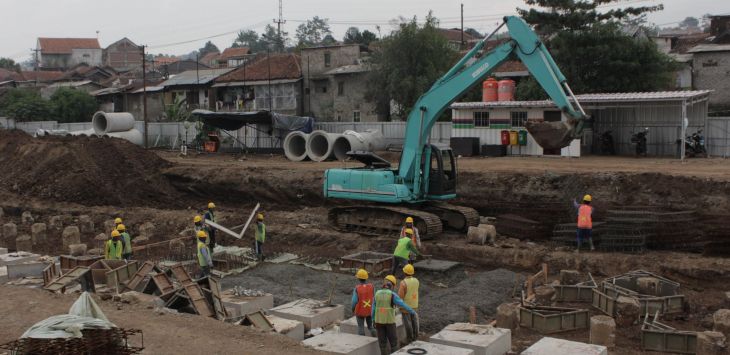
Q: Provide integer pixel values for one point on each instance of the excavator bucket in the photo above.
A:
(552, 135)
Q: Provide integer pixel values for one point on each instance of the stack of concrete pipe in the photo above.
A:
(117, 125)
(321, 145)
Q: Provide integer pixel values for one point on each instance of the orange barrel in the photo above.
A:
(489, 90)
(505, 137)
(506, 90)
(513, 139)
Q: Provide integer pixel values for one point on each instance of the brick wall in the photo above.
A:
(712, 72)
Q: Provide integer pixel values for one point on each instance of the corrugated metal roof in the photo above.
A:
(347, 69)
(595, 98)
(194, 77)
(710, 48)
(149, 89)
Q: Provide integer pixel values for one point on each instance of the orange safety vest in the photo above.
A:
(585, 221)
(364, 306)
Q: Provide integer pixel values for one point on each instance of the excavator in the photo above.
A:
(427, 175)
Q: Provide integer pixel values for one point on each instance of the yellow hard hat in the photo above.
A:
(115, 233)
(587, 198)
(391, 279)
(197, 219)
(211, 205)
(260, 217)
(409, 220)
(117, 220)
(202, 234)
(408, 269)
(121, 227)
(362, 274)
(409, 231)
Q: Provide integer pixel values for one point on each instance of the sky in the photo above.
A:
(181, 26)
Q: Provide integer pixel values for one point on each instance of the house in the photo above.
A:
(179, 66)
(210, 60)
(455, 37)
(334, 84)
(130, 98)
(194, 85)
(270, 82)
(83, 71)
(122, 55)
(711, 63)
(64, 53)
(233, 57)
(42, 76)
(85, 85)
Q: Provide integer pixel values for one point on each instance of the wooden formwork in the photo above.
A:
(656, 336)
(373, 262)
(136, 279)
(548, 320)
(115, 277)
(581, 292)
(669, 300)
(80, 274)
(69, 262)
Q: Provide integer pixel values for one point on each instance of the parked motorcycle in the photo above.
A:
(606, 143)
(639, 138)
(694, 145)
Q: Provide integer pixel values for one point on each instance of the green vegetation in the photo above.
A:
(65, 105)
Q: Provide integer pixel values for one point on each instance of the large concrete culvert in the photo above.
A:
(320, 144)
(295, 146)
(111, 122)
(370, 140)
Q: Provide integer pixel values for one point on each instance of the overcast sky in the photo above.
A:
(163, 24)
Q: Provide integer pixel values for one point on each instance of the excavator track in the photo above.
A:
(455, 217)
(383, 220)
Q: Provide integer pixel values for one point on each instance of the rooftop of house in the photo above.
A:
(195, 77)
(281, 65)
(42, 76)
(65, 45)
(232, 53)
(9, 75)
(454, 35)
(210, 57)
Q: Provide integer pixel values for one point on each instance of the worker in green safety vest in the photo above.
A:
(260, 236)
(126, 242)
(403, 250)
(113, 247)
(384, 311)
(205, 261)
(408, 291)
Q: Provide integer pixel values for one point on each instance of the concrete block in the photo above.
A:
(26, 217)
(711, 343)
(310, 312)
(435, 265)
(433, 349)
(109, 226)
(147, 229)
(24, 243)
(647, 285)
(29, 268)
(77, 249)
(490, 341)
(628, 311)
(17, 258)
(67, 219)
(39, 233)
(55, 222)
(3, 251)
(544, 295)
(552, 346)
(569, 277)
(3, 274)
(238, 306)
(2, 212)
(603, 331)
(291, 328)
(10, 231)
(721, 321)
(349, 326)
(71, 235)
(343, 343)
(508, 316)
(86, 225)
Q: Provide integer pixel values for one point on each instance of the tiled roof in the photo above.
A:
(454, 35)
(685, 43)
(6, 75)
(347, 69)
(233, 52)
(710, 48)
(65, 45)
(165, 60)
(209, 58)
(283, 66)
(194, 77)
(43, 76)
(594, 98)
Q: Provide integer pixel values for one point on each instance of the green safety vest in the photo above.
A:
(202, 261)
(127, 243)
(402, 250)
(113, 250)
(384, 310)
(411, 296)
(261, 232)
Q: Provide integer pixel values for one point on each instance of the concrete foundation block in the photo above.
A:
(86, 225)
(569, 277)
(2, 212)
(544, 295)
(721, 321)
(492, 341)
(508, 316)
(77, 249)
(26, 217)
(3, 274)
(238, 306)
(24, 243)
(55, 222)
(553, 346)
(349, 326)
(30, 268)
(343, 343)
(10, 231)
(291, 328)
(95, 251)
(310, 312)
(3, 251)
(67, 219)
(603, 331)
(17, 258)
(647, 285)
(433, 349)
(435, 265)
(147, 229)
(711, 343)
(109, 225)
(38, 232)
(70, 235)
(628, 311)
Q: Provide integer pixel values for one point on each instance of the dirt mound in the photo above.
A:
(89, 171)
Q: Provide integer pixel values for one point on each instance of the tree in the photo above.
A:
(209, 47)
(406, 64)
(9, 64)
(354, 36)
(273, 40)
(250, 39)
(71, 105)
(473, 32)
(312, 32)
(689, 22)
(25, 105)
(553, 16)
(329, 40)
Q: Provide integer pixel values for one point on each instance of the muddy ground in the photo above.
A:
(71, 177)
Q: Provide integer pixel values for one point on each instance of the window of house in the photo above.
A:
(481, 119)
(518, 118)
(306, 91)
(322, 89)
(340, 88)
(355, 116)
(327, 59)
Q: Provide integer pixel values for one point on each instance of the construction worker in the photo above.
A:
(117, 222)
(260, 236)
(113, 248)
(362, 303)
(416, 239)
(205, 260)
(408, 292)
(199, 226)
(126, 241)
(209, 215)
(585, 221)
(384, 308)
(403, 250)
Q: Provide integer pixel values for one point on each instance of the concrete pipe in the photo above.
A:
(295, 146)
(132, 135)
(111, 122)
(370, 140)
(319, 145)
(85, 133)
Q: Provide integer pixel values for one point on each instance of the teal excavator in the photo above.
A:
(426, 176)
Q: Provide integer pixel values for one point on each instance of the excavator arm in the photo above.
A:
(471, 70)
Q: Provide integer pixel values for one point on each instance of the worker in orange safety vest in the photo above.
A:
(585, 222)
(362, 303)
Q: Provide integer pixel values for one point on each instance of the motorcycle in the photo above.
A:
(606, 141)
(639, 138)
(694, 145)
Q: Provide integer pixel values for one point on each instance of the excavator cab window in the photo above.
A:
(442, 174)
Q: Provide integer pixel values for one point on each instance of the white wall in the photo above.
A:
(91, 57)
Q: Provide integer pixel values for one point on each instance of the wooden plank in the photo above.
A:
(50, 273)
(258, 320)
(181, 274)
(250, 218)
(82, 274)
(163, 283)
(116, 276)
(215, 289)
(197, 299)
(141, 273)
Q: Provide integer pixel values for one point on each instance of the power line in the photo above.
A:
(207, 37)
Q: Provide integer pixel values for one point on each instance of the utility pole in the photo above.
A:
(268, 61)
(144, 96)
(462, 26)
(279, 21)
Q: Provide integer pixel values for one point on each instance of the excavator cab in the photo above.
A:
(440, 167)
